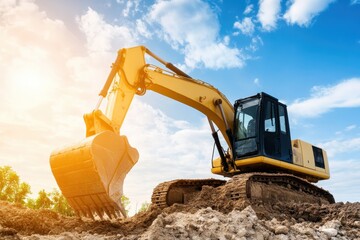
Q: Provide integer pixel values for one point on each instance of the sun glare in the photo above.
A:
(32, 85)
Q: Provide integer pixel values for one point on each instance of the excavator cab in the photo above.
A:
(261, 128)
(262, 142)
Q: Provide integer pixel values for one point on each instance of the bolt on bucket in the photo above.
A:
(91, 173)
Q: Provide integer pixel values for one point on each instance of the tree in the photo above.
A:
(53, 200)
(60, 203)
(11, 189)
(43, 200)
(144, 206)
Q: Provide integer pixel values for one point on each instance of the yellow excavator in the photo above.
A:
(256, 130)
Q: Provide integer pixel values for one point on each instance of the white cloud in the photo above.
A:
(269, 13)
(246, 26)
(348, 129)
(193, 28)
(353, 2)
(212, 55)
(132, 6)
(249, 8)
(142, 29)
(102, 36)
(351, 127)
(126, 10)
(337, 146)
(257, 82)
(302, 12)
(255, 43)
(226, 40)
(323, 99)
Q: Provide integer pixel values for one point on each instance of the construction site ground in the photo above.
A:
(208, 215)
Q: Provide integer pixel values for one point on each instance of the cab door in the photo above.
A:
(285, 139)
(271, 128)
(276, 134)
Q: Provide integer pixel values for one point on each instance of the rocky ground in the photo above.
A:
(207, 217)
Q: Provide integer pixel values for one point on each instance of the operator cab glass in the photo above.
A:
(261, 128)
(245, 142)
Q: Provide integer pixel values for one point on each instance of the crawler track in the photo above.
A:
(168, 193)
(276, 187)
(265, 187)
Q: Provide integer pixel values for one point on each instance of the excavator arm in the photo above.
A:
(91, 173)
(131, 75)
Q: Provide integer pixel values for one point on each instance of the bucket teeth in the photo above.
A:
(97, 207)
(122, 210)
(90, 215)
(118, 214)
(100, 213)
(108, 213)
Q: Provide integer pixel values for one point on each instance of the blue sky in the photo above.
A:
(55, 55)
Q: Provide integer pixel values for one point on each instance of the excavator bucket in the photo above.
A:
(91, 173)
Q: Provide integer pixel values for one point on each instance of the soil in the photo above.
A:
(208, 214)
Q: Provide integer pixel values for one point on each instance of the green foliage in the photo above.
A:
(60, 204)
(53, 200)
(126, 203)
(43, 200)
(11, 189)
(144, 206)
(30, 203)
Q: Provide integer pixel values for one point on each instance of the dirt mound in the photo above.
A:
(210, 224)
(28, 221)
(16, 219)
(209, 214)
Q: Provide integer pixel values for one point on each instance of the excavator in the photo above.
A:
(255, 129)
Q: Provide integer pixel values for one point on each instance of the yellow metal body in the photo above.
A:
(91, 173)
(303, 166)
